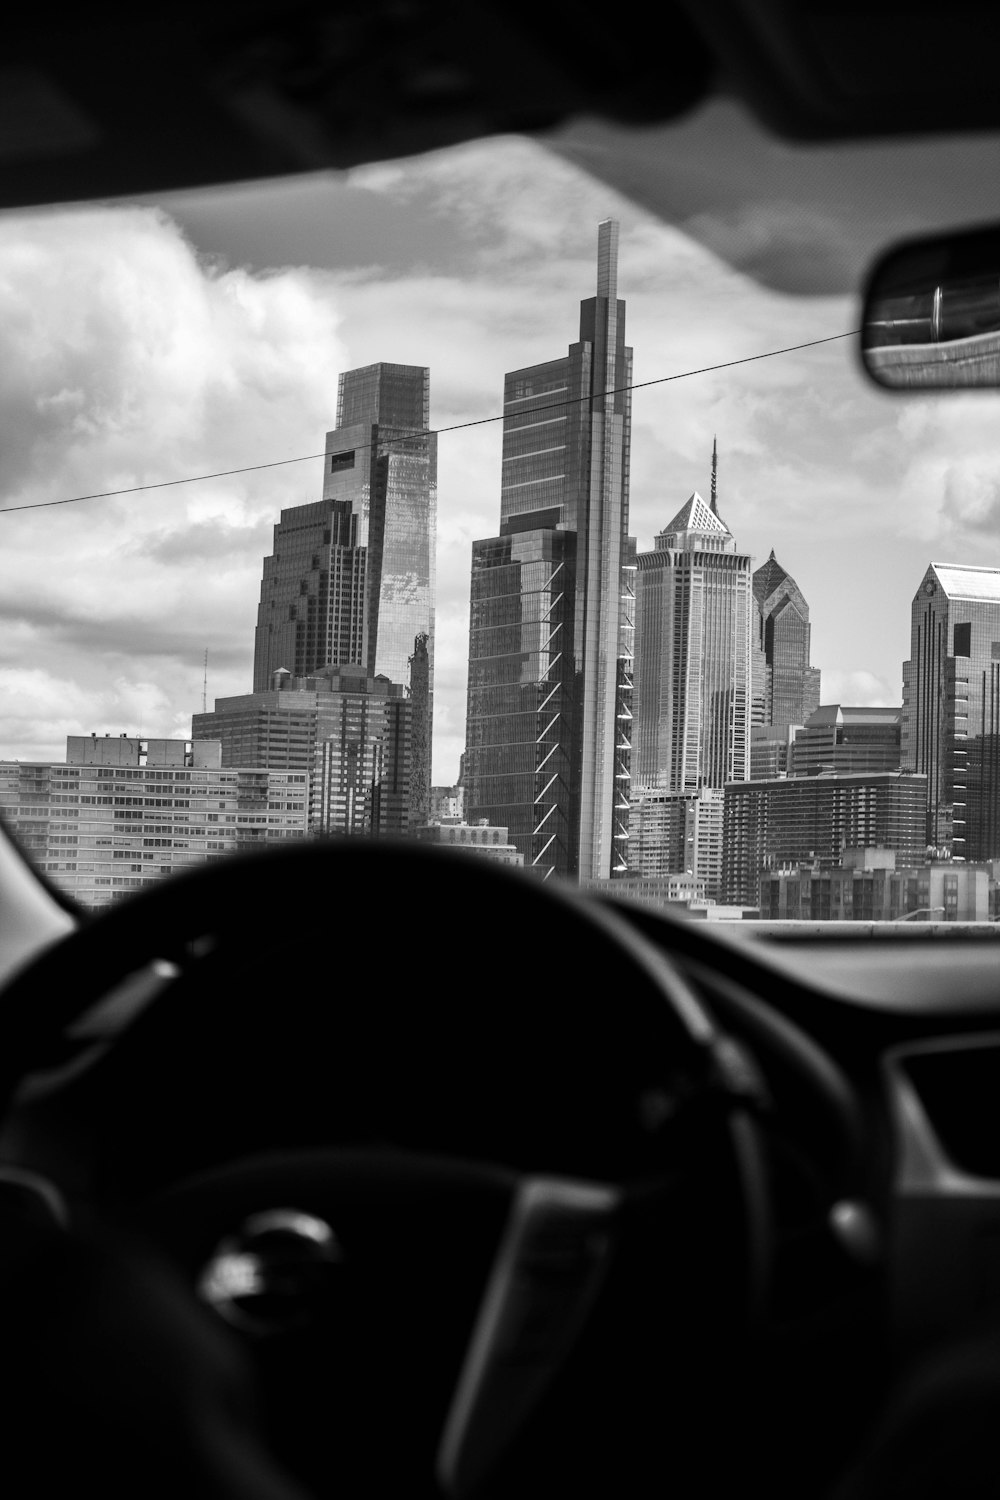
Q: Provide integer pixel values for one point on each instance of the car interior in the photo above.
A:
(587, 1198)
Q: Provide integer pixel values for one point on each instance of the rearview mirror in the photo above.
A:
(932, 314)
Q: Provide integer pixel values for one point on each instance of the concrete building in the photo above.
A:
(868, 886)
(447, 804)
(550, 639)
(124, 813)
(771, 750)
(479, 838)
(681, 892)
(677, 834)
(951, 707)
(776, 824)
(847, 741)
(349, 731)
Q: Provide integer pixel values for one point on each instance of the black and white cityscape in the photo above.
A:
(643, 713)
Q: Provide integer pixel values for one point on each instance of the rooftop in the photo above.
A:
(696, 515)
(836, 713)
(962, 581)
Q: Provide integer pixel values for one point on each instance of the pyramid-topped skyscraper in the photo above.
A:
(693, 651)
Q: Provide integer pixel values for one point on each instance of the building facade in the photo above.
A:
(951, 707)
(848, 741)
(771, 750)
(693, 679)
(791, 688)
(795, 820)
(550, 638)
(478, 838)
(447, 804)
(875, 890)
(677, 833)
(124, 813)
(681, 891)
(349, 731)
(351, 578)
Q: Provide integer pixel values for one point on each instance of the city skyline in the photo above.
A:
(134, 355)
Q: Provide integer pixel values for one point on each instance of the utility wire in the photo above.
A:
(278, 463)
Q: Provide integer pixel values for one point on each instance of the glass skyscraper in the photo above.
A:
(792, 686)
(547, 732)
(350, 581)
(951, 707)
(693, 656)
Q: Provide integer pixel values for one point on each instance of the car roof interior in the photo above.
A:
(111, 102)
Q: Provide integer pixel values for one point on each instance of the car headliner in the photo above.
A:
(888, 116)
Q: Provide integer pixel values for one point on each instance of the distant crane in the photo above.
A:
(204, 686)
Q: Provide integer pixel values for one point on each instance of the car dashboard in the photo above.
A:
(868, 1071)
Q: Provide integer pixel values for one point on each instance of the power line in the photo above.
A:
(278, 463)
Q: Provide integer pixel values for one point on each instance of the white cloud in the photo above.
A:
(125, 358)
(860, 689)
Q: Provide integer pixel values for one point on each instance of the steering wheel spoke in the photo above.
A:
(547, 1274)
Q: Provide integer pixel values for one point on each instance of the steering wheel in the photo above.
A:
(453, 1153)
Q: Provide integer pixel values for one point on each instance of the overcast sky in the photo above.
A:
(147, 342)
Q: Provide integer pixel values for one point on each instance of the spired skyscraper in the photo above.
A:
(547, 731)
(350, 581)
(951, 707)
(693, 656)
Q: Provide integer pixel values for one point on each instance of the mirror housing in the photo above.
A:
(932, 314)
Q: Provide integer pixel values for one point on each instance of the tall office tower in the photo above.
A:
(951, 707)
(547, 731)
(847, 741)
(693, 656)
(350, 581)
(349, 731)
(791, 686)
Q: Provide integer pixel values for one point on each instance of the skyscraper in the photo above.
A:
(693, 672)
(350, 581)
(547, 733)
(791, 685)
(951, 707)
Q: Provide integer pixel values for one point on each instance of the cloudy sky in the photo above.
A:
(146, 342)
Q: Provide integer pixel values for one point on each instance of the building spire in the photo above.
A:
(714, 495)
(607, 259)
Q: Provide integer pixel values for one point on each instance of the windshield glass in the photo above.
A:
(172, 371)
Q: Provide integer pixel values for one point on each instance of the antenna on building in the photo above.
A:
(715, 477)
(204, 686)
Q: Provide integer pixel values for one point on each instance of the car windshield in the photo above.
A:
(265, 447)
